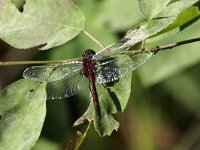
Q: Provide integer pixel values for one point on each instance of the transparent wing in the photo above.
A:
(67, 86)
(112, 49)
(53, 72)
(112, 67)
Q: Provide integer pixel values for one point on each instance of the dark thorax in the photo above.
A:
(88, 64)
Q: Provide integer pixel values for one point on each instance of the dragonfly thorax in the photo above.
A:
(89, 64)
(88, 52)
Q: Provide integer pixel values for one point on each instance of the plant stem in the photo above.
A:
(35, 62)
(155, 50)
(94, 39)
(169, 46)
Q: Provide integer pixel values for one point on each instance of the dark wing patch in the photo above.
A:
(117, 66)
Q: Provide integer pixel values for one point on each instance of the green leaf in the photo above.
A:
(112, 99)
(118, 18)
(22, 111)
(42, 22)
(81, 137)
(161, 36)
(107, 123)
(44, 143)
(145, 30)
(19, 3)
(183, 18)
(152, 27)
(166, 64)
(151, 8)
(175, 8)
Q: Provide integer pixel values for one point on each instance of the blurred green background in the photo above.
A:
(164, 106)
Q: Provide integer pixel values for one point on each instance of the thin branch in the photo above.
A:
(35, 62)
(94, 39)
(170, 46)
(155, 50)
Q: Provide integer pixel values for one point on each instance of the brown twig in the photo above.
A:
(155, 50)
(170, 46)
(35, 62)
(94, 39)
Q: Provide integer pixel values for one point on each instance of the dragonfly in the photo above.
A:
(68, 78)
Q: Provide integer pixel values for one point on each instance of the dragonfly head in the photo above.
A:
(88, 52)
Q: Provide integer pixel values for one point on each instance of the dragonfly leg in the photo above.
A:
(142, 46)
(104, 85)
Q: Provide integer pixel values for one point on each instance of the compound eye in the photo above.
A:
(93, 52)
(83, 55)
(88, 52)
